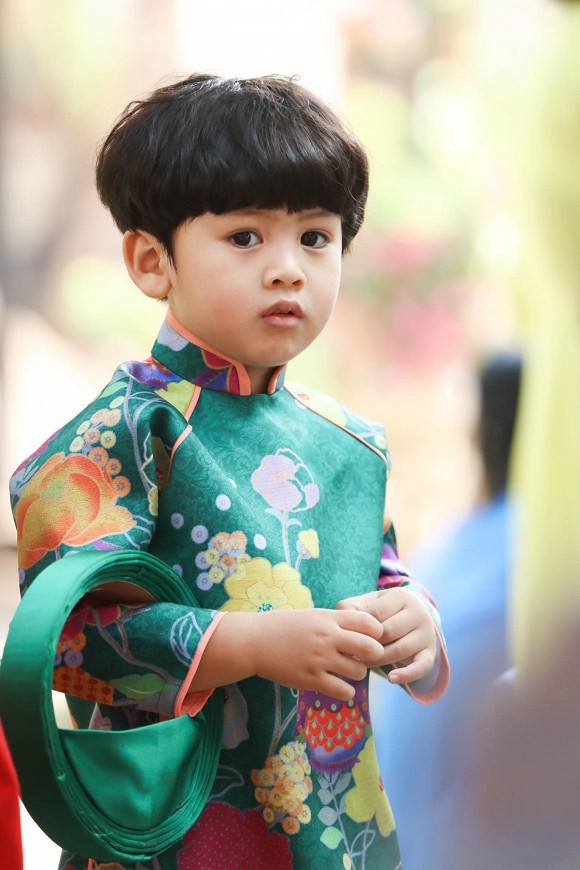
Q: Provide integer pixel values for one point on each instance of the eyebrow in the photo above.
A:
(256, 212)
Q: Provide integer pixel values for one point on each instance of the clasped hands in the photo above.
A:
(323, 650)
(407, 632)
(329, 650)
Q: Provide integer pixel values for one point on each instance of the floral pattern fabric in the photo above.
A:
(260, 502)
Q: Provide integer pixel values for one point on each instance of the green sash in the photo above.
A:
(113, 796)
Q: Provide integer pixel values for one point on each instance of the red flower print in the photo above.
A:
(225, 837)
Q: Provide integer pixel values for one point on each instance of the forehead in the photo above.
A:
(277, 214)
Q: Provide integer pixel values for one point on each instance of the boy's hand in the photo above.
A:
(408, 631)
(313, 649)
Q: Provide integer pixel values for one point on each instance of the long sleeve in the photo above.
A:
(393, 574)
(94, 485)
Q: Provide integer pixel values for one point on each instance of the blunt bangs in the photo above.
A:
(207, 144)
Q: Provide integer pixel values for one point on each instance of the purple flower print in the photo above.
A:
(73, 658)
(153, 374)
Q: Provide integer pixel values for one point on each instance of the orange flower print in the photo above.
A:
(70, 500)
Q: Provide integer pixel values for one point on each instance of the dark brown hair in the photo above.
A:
(207, 144)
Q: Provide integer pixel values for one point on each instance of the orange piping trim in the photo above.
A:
(272, 382)
(442, 678)
(192, 403)
(344, 429)
(177, 444)
(197, 699)
(243, 377)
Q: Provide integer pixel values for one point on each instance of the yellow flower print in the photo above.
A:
(283, 799)
(178, 393)
(287, 753)
(83, 427)
(111, 418)
(221, 540)
(92, 435)
(269, 815)
(77, 444)
(368, 798)
(153, 498)
(108, 439)
(323, 405)
(308, 546)
(257, 585)
(98, 416)
(116, 402)
(238, 540)
(212, 556)
(291, 825)
(113, 466)
(121, 486)
(216, 575)
(78, 642)
(227, 563)
(99, 456)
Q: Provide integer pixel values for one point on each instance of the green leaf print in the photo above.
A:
(331, 837)
(112, 388)
(138, 687)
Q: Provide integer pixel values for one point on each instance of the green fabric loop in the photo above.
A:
(78, 784)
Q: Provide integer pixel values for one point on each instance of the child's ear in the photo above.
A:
(147, 263)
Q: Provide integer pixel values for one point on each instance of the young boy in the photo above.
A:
(237, 199)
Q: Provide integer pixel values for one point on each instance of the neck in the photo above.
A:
(187, 356)
(259, 378)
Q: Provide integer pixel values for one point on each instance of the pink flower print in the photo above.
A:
(224, 836)
(287, 485)
(285, 482)
(273, 480)
(311, 494)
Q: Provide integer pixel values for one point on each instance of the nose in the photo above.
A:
(284, 270)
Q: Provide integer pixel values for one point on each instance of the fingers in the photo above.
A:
(335, 687)
(417, 668)
(351, 669)
(362, 647)
(381, 604)
(405, 648)
(361, 622)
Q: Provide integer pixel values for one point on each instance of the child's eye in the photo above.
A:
(245, 239)
(314, 239)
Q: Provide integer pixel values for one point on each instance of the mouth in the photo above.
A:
(290, 308)
(283, 313)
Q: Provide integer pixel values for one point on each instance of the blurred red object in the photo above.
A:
(11, 856)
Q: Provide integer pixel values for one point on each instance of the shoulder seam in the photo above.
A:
(308, 407)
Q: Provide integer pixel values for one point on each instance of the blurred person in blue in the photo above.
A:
(421, 752)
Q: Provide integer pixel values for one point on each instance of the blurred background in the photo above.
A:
(433, 88)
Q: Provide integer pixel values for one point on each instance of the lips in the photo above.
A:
(284, 308)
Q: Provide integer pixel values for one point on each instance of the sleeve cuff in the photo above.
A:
(429, 688)
(192, 702)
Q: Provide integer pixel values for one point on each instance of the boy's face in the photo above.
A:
(257, 285)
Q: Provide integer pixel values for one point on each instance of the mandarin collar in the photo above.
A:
(193, 360)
